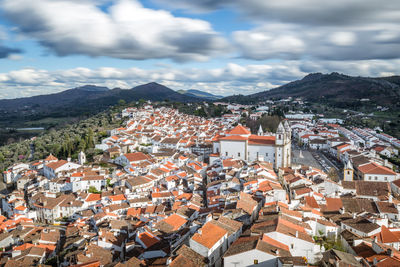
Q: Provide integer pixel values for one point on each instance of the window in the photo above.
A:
(238, 154)
(255, 261)
(291, 246)
(266, 154)
(257, 154)
(348, 172)
(376, 178)
(226, 153)
(385, 178)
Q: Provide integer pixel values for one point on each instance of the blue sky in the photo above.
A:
(222, 47)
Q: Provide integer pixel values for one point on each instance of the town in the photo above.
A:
(173, 189)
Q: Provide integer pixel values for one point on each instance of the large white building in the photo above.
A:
(239, 143)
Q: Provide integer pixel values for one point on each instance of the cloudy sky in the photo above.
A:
(219, 46)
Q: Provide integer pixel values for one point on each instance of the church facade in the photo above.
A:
(239, 143)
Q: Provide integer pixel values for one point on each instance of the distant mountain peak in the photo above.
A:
(93, 88)
(335, 89)
(199, 94)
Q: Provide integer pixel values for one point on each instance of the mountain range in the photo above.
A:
(334, 88)
(89, 99)
(200, 94)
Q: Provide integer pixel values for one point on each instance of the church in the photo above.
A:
(239, 143)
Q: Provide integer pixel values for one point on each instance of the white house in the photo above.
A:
(374, 172)
(211, 242)
(53, 169)
(253, 251)
(239, 143)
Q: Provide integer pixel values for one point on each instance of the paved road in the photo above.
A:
(306, 158)
(323, 161)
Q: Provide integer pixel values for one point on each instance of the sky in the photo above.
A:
(222, 47)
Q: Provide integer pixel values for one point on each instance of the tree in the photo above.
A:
(333, 175)
(93, 190)
(121, 102)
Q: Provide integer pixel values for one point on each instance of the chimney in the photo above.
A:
(375, 239)
(354, 215)
(297, 234)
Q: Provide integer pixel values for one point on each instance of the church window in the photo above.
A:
(348, 172)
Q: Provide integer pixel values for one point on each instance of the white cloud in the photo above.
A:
(311, 12)
(343, 38)
(269, 41)
(310, 29)
(292, 41)
(128, 30)
(230, 79)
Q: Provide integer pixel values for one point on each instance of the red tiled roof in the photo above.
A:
(386, 236)
(148, 239)
(275, 243)
(117, 197)
(137, 156)
(311, 202)
(373, 168)
(234, 138)
(261, 140)
(175, 221)
(240, 130)
(333, 204)
(210, 234)
(57, 164)
(51, 158)
(93, 197)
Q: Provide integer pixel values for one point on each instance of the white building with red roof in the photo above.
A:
(375, 172)
(239, 143)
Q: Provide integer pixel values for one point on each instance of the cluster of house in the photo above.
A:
(188, 191)
(363, 152)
